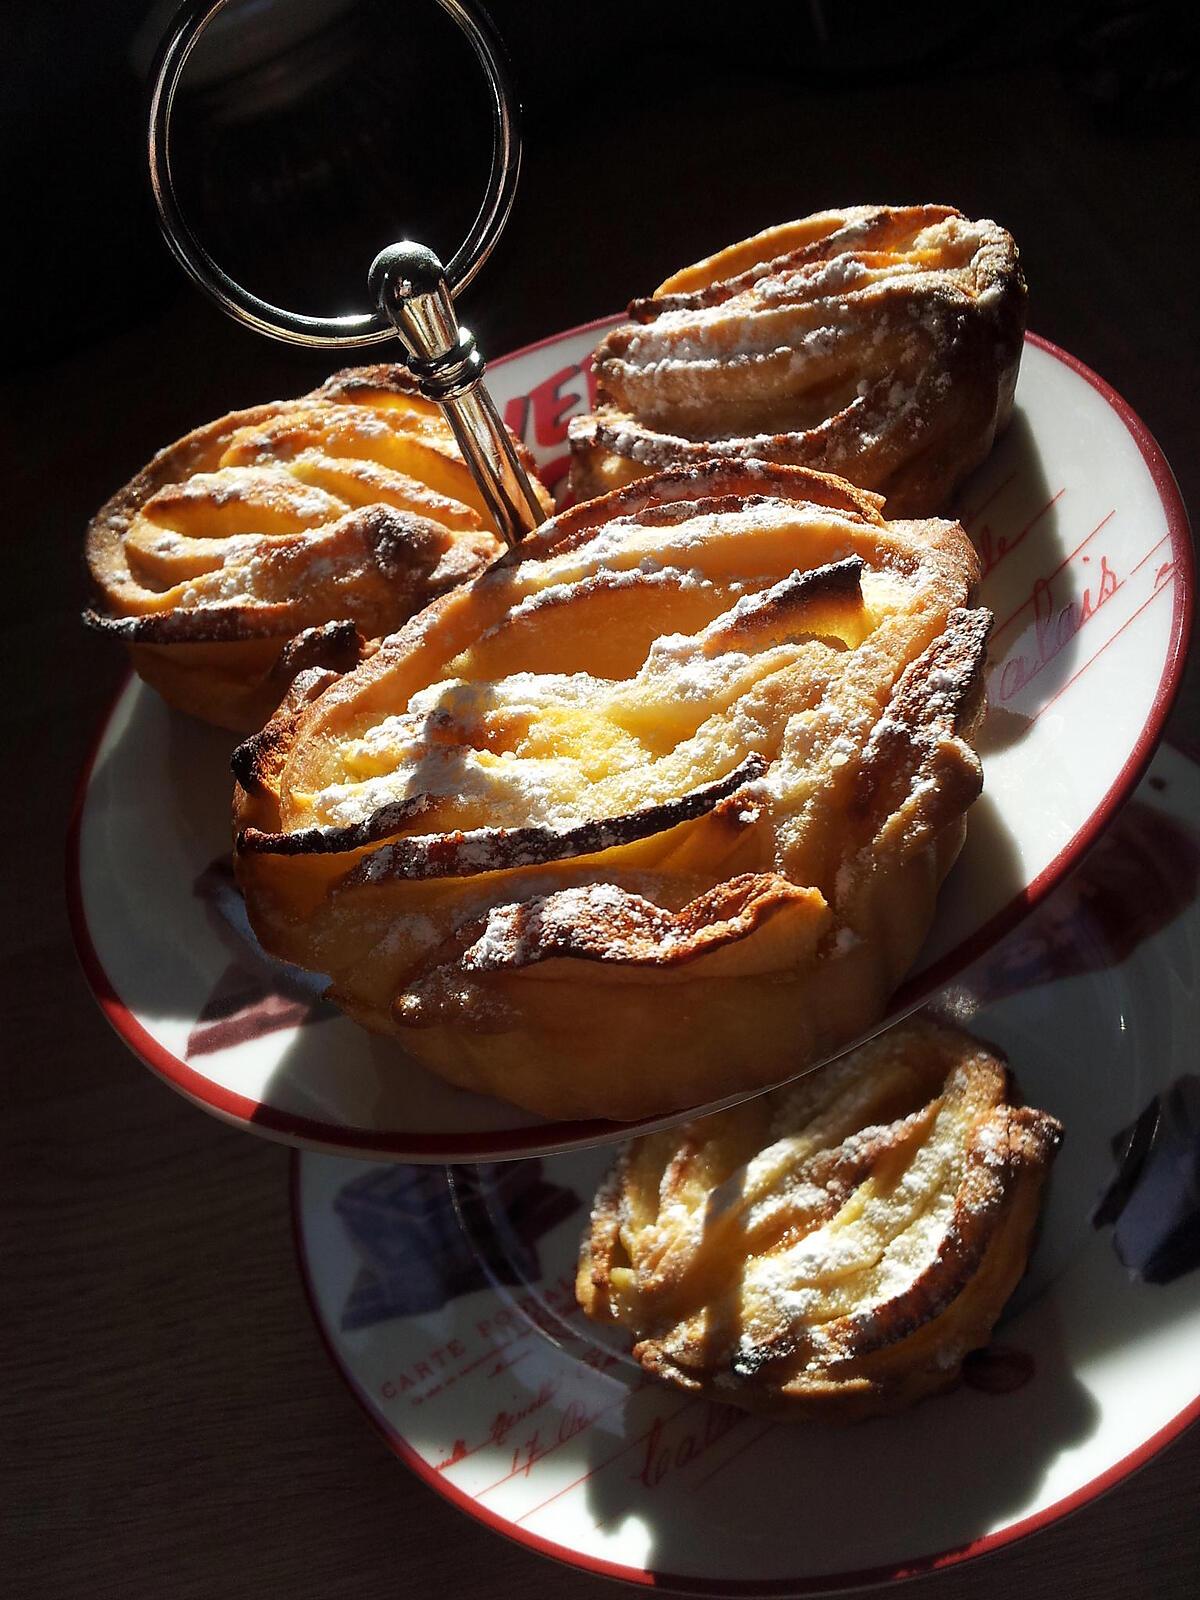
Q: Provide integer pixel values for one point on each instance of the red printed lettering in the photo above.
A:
(553, 400)
(1054, 627)
(516, 415)
(660, 1458)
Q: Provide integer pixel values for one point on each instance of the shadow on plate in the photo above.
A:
(892, 1489)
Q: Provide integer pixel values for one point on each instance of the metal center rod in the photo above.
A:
(408, 284)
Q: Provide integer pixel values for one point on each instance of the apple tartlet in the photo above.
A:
(285, 537)
(834, 1249)
(652, 812)
(879, 342)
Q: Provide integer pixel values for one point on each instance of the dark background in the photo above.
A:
(171, 1425)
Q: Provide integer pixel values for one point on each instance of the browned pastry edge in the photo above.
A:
(459, 854)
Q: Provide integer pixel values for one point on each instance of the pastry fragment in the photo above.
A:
(878, 342)
(834, 1249)
(652, 812)
(283, 538)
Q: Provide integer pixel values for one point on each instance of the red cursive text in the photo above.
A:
(1054, 627)
(660, 1458)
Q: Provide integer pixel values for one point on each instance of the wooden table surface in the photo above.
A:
(170, 1424)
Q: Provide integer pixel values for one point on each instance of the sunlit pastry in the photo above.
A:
(285, 537)
(653, 811)
(834, 1249)
(878, 342)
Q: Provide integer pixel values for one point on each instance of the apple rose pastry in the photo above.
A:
(284, 537)
(653, 811)
(834, 1249)
(878, 342)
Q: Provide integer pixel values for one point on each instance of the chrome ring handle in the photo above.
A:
(411, 291)
(359, 327)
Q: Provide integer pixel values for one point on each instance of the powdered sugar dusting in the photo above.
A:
(302, 510)
(838, 354)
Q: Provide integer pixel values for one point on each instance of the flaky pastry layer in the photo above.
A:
(878, 342)
(834, 1249)
(652, 811)
(285, 537)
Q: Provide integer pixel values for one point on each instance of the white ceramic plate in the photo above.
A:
(1089, 575)
(446, 1299)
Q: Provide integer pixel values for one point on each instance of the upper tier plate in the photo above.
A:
(1088, 569)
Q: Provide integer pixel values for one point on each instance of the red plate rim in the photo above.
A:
(292, 1128)
(829, 1583)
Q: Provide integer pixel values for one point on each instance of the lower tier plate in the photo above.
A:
(445, 1296)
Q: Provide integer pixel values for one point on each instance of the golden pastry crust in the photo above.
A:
(878, 342)
(653, 811)
(834, 1249)
(285, 537)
